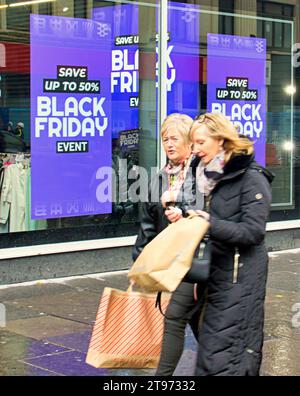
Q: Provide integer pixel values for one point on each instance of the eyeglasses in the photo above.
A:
(200, 118)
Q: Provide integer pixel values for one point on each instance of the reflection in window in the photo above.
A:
(17, 18)
(226, 24)
(278, 34)
(45, 9)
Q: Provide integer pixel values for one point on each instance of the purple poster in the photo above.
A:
(236, 79)
(182, 57)
(124, 63)
(70, 117)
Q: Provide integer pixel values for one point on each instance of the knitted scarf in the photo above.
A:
(208, 175)
(176, 174)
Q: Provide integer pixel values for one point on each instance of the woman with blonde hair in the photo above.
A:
(172, 187)
(238, 196)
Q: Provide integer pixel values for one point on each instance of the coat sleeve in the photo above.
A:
(254, 206)
(147, 230)
(148, 226)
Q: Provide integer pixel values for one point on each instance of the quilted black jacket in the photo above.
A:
(231, 333)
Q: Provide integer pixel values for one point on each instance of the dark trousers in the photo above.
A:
(182, 309)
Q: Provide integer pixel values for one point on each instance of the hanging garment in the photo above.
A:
(12, 200)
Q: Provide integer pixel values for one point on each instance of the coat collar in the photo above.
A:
(238, 163)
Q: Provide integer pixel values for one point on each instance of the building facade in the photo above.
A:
(84, 87)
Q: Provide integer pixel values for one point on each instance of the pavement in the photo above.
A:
(49, 323)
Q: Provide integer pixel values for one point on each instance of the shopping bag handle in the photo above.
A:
(158, 302)
(191, 214)
(130, 287)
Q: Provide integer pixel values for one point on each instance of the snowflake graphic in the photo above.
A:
(259, 46)
(188, 17)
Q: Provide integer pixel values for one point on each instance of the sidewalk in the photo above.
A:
(49, 323)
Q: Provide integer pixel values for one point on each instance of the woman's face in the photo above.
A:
(175, 146)
(204, 146)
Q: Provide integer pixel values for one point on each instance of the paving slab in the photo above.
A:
(73, 363)
(14, 348)
(280, 265)
(116, 281)
(273, 295)
(66, 363)
(46, 326)
(37, 290)
(281, 357)
(187, 363)
(76, 341)
(34, 371)
(95, 285)
(79, 306)
(14, 311)
(281, 328)
(280, 304)
(14, 368)
(284, 280)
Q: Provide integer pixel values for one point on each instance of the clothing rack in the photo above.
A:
(16, 158)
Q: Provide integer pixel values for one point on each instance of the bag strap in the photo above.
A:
(158, 303)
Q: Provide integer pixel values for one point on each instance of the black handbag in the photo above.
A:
(200, 268)
(199, 271)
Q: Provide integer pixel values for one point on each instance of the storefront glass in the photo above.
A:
(80, 105)
(78, 118)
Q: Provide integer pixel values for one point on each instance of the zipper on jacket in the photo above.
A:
(207, 203)
(235, 265)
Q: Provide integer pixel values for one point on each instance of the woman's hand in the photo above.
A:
(203, 214)
(173, 214)
(167, 197)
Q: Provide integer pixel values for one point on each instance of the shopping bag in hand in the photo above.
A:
(128, 330)
(165, 261)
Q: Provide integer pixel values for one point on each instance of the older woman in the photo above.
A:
(238, 197)
(169, 188)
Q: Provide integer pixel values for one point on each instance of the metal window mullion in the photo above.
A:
(162, 74)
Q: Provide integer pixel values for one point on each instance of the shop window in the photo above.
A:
(118, 132)
(45, 9)
(86, 79)
(80, 9)
(17, 18)
(128, 82)
(277, 34)
(226, 23)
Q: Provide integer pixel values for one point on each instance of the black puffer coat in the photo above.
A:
(231, 334)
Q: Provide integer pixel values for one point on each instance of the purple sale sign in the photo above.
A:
(236, 79)
(70, 117)
(182, 57)
(123, 22)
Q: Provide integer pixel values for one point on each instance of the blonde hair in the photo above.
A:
(180, 122)
(220, 127)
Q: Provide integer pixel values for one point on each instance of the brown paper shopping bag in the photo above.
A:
(128, 330)
(164, 262)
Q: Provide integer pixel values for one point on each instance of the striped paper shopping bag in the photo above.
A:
(128, 330)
